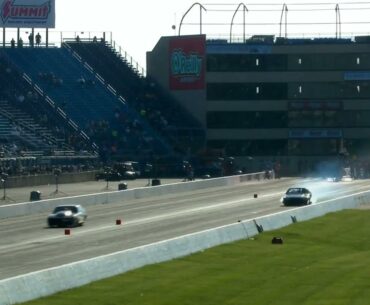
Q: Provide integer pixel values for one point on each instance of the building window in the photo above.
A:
(300, 89)
(257, 90)
(358, 60)
(358, 87)
(299, 61)
(257, 62)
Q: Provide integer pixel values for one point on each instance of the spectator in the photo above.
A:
(20, 43)
(12, 43)
(30, 39)
(90, 82)
(21, 98)
(38, 39)
(277, 170)
(78, 38)
(95, 40)
(81, 81)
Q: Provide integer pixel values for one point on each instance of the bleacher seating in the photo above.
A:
(34, 126)
(5, 127)
(162, 112)
(116, 128)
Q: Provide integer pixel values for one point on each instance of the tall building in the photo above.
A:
(299, 101)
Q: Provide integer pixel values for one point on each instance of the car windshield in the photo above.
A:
(293, 191)
(65, 208)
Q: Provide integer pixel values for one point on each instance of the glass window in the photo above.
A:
(317, 118)
(247, 119)
(313, 147)
(246, 62)
(329, 62)
(250, 147)
(246, 91)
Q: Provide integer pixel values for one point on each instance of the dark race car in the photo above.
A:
(67, 216)
(297, 196)
(110, 176)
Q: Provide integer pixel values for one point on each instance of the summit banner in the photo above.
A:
(27, 13)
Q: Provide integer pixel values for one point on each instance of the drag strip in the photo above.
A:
(27, 245)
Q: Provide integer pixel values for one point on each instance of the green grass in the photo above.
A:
(325, 261)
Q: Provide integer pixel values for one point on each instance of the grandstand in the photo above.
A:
(27, 121)
(84, 97)
(263, 97)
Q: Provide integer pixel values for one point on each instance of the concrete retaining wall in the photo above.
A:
(21, 181)
(281, 219)
(46, 282)
(43, 283)
(28, 208)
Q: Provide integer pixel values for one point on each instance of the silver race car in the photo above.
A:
(67, 216)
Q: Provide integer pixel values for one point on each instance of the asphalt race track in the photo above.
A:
(27, 245)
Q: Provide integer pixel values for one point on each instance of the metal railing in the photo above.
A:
(56, 39)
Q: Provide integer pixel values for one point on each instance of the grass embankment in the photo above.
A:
(325, 261)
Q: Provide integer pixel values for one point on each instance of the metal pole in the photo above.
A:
(232, 20)
(47, 37)
(286, 21)
(4, 188)
(18, 34)
(244, 8)
(338, 29)
(200, 19)
(281, 19)
(201, 7)
(3, 37)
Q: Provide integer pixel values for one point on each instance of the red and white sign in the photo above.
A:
(187, 62)
(27, 13)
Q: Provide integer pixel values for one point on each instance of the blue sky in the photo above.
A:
(137, 25)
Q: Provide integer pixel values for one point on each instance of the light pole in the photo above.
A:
(338, 30)
(108, 172)
(57, 173)
(4, 177)
(284, 10)
(201, 7)
(245, 9)
(148, 170)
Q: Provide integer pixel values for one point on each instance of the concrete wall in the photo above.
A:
(20, 181)
(45, 282)
(28, 208)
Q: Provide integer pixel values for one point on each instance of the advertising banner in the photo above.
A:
(187, 63)
(27, 13)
